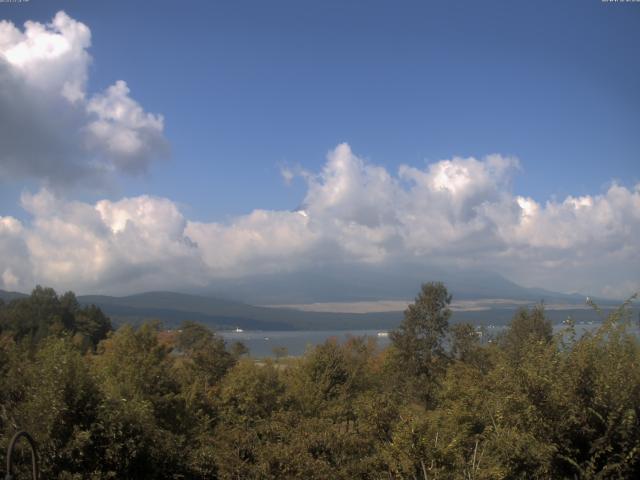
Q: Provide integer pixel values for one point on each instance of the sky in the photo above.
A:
(149, 145)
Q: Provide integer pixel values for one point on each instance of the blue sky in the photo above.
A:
(168, 125)
(248, 86)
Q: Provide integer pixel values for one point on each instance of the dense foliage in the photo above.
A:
(440, 403)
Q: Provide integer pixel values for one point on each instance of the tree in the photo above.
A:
(238, 349)
(418, 344)
(249, 396)
(92, 324)
(464, 341)
(526, 327)
(54, 398)
(206, 352)
(143, 415)
(44, 313)
(36, 316)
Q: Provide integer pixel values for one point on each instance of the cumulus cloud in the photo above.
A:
(121, 245)
(15, 267)
(121, 131)
(51, 128)
(459, 212)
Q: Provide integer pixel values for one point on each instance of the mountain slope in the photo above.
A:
(231, 303)
(172, 308)
(348, 283)
(8, 296)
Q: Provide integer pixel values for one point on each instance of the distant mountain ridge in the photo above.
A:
(8, 296)
(348, 283)
(173, 308)
(229, 304)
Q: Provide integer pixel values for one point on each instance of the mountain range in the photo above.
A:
(361, 282)
(222, 309)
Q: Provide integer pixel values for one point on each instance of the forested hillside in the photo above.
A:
(439, 403)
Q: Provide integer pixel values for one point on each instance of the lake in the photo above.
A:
(262, 343)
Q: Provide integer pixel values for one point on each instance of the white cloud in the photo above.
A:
(52, 129)
(349, 190)
(50, 57)
(15, 258)
(123, 131)
(110, 245)
(458, 212)
(262, 241)
(287, 174)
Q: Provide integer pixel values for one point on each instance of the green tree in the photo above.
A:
(92, 324)
(206, 353)
(527, 326)
(249, 397)
(419, 354)
(54, 397)
(143, 418)
(44, 313)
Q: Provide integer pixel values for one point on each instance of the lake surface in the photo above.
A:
(262, 343)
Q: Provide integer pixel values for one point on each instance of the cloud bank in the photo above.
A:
(459, 212)
(51, 129)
